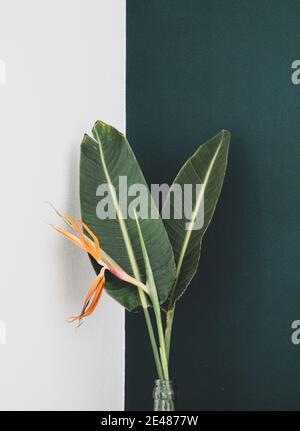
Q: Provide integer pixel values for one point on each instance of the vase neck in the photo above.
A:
(163, 395)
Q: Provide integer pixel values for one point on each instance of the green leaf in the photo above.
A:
(104, 158)
(207, 166)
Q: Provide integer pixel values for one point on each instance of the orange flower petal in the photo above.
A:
(78, 237)
(68, 235)
(77, 229)
(93, 288)
(92, 298)
(96, 247)
(92, 305)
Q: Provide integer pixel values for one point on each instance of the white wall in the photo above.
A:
(65, 68)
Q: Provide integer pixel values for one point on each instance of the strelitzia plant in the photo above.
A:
(151, 260)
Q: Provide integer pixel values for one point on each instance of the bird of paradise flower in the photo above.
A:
(83, 237)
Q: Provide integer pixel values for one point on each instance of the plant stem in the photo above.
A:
(150, 284)
(162, 343)
(168, 333)
(151, 334)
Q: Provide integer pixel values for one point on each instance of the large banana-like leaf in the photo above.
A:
(105, 157)
(206, 166)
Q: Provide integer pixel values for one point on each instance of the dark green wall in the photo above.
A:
(193, 68)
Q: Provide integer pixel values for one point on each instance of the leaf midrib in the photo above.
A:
(195, 211)
(124, 231)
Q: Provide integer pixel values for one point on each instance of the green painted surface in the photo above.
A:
(194, 68)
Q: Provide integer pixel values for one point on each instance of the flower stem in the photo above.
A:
(151, 334)
(168, 332)
(152, 292)
(162, 343)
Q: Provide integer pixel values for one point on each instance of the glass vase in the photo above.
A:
(163, 396)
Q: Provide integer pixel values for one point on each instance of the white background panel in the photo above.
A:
(65, 68)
